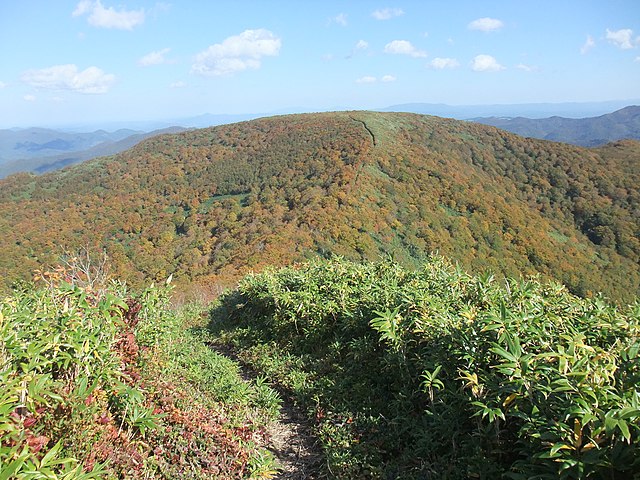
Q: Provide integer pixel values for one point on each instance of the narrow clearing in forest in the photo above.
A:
(291, 440)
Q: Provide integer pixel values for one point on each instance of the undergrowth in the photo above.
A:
(101, 382)
(438, 374)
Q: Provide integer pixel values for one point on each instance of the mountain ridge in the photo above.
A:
(509, 117)
(209, 205)
(587, 132)
(41, 142)
(44, 164)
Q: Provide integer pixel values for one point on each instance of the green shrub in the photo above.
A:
(438, 374)
(56, 357)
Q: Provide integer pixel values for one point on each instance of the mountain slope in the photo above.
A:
(214, 203)
(588, 132)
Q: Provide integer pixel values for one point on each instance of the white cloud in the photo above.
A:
(340, 19)
(485, 63)
(527, 68)
(360, 46)
(404, 47)
(30, 98)
(442, 63)
(83, 7)
(588, 45)
(178, 84)
(99, 16)
(486, 24)
(387, 13)
(67, 77)
(154, 58)
(388, 78)
(637, 59)
(621, 38)
(327, 57)
(237, 53)
(2, 84)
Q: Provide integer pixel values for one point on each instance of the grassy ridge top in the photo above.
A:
(214, 203)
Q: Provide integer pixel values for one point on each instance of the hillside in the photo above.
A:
(588, 132)
(212, 204)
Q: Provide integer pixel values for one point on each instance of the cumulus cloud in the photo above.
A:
(404, 47)
(154, 58)
(178, 84)
(387, 13)
(486, 24)
(442, 63)
(67, 77)
(366, 79)
(621, 38)
(340, 19)
(237, 53)
(637, 59)
(30, 98)
(102, 17)
(2, 84)
(485, 63)
(388, 78)
(588, 45)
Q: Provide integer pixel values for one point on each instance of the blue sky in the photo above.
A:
(72, 62)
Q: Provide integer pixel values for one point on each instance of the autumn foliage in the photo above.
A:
(211, 204)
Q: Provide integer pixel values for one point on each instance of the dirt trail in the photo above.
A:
(291, 440)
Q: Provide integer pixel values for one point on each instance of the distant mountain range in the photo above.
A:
(34, 146)
(587, 132)
(529, 110)
(16, 144)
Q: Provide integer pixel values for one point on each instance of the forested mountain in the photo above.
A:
(211, 204)
(588, 132)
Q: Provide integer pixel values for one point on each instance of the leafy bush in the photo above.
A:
(59, 369)
(438, 374)
(99, 383)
